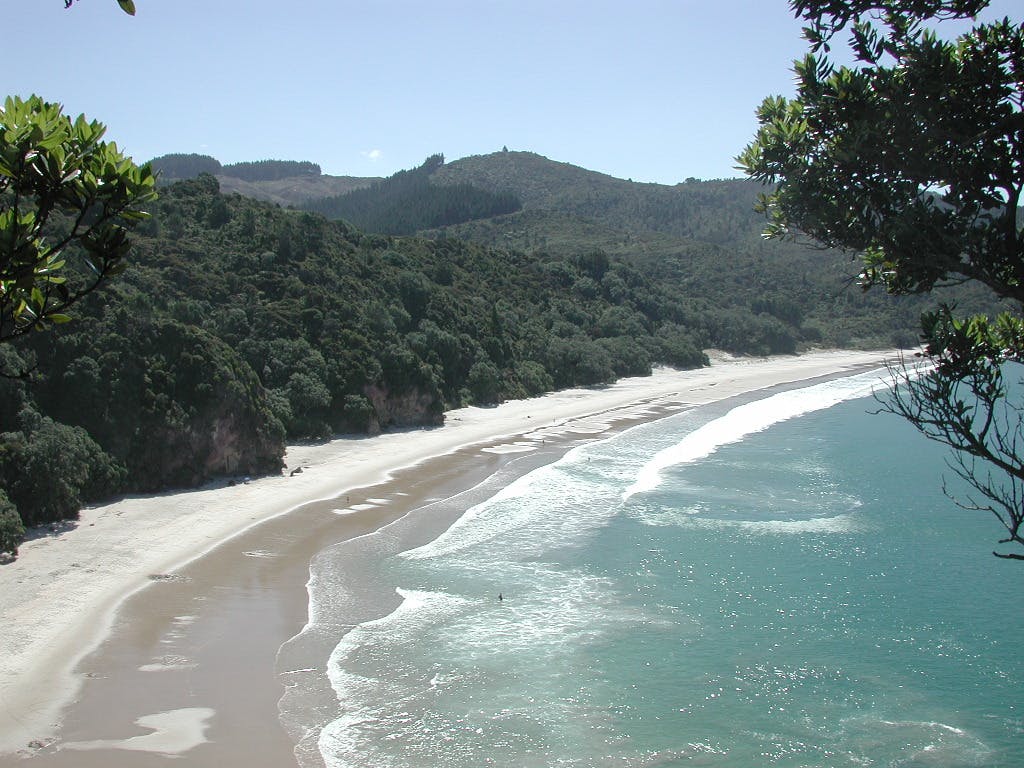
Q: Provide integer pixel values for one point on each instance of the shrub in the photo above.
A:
(12, 532)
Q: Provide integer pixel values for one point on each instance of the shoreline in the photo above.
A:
(198, 655)
(59, 599)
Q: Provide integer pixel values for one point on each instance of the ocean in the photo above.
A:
(772, 581)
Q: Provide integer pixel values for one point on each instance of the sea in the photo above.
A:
(775, 580)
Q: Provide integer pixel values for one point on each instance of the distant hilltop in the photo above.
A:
(285, 182)
(535, 179)
(175, 167)
(515, 199)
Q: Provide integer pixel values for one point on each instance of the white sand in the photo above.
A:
(58, 599)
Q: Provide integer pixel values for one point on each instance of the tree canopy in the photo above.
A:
(408, 201)
(914, 159)
(67, 203)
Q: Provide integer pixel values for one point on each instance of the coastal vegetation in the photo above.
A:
(241, 325)
(912, 159)
(68, 201)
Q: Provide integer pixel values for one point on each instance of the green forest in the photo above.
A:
(174, 167)
(409, 201)
(240, 325)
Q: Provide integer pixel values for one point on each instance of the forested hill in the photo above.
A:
(176, 167)
(410, 201)
(718, 211)
(239, 325)
(284, 182)
(699, 238)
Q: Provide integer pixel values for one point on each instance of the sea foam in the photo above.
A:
(552, 504)
(749, 418)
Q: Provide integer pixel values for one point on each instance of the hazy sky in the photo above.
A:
(653, 90)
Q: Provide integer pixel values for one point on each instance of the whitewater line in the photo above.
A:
(749, 418)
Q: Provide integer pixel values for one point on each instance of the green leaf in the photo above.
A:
(59, 319)
(127, 6)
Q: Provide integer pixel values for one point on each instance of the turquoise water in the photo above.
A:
(780, 583)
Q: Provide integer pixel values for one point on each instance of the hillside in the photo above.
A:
(710, 211)
(699, 239)
(538, 181)
(286, 183)
(293, 191)
(696, 239)
(410, 201)
(240, 325)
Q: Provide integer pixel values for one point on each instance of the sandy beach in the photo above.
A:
(64, 595)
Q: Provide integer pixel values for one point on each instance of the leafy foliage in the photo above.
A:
(11, 529)
(826, 18)
(938, 198)
(174, 406)
(912, 159)
(699, 240)
(285, 182)
(242, 324)
(60, 186)
(128, 6)
(965, 402)
(49, 469)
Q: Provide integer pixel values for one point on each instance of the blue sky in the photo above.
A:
(653, 90)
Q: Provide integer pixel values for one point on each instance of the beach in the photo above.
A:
(241, 553)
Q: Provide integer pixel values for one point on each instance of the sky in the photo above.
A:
(648, 90)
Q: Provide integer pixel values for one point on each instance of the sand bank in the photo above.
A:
(59, 598)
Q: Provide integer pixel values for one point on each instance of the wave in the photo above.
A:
(566, 501)
(748, 419)
(556, 504)
(446, 679)
(918, 743)
(692, 518)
